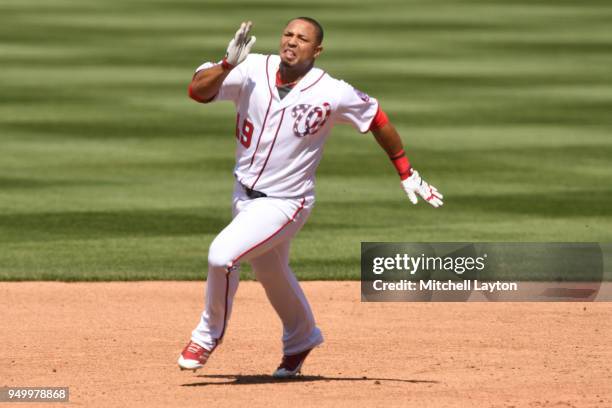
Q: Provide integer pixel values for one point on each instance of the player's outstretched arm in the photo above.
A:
(206, 83)
(412, 183)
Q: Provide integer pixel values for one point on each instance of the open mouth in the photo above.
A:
(289, 54)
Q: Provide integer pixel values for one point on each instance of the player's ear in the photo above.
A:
(318, 51)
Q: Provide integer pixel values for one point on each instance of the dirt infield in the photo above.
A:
(116, 344)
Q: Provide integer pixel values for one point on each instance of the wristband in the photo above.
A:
(226, 65)
(401, 164)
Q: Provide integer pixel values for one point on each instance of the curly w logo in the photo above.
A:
(309, 119)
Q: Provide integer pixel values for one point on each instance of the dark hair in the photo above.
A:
(315, 23)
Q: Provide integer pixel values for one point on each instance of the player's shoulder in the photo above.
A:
(255, 59)
(343, 89)
(257, 62)
(338, 84)
(347, 93)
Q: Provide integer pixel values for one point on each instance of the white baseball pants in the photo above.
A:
(260, 233)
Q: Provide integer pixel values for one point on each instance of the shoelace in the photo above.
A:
(200, 352)
(194, 348)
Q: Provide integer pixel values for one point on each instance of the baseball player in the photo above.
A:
(285, 110)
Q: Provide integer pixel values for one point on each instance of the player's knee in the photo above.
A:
(218, 258)
(218, 261)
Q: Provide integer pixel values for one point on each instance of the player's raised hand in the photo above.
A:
(414, 185)
(240, 46)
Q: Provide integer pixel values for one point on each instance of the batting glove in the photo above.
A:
(240, 46)
(414, 185)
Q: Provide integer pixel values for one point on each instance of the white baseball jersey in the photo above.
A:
(280, 141)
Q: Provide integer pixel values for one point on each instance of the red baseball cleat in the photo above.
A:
(193, 357)
(291, 365)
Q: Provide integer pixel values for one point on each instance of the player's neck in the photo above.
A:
(293, 74)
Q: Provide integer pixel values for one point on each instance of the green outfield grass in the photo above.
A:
(109, 171)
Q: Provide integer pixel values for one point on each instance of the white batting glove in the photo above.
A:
(414, 185)
(240, 46)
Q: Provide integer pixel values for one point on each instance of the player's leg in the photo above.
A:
(221, 286)
(286, 296)
(258, 226)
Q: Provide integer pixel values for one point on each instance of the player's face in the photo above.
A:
(298, 46)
